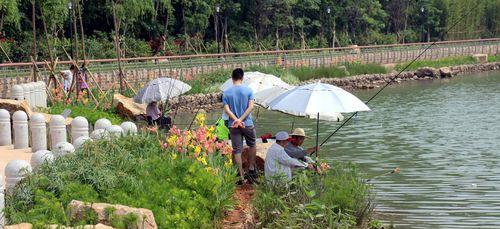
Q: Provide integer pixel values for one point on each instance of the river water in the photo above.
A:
(445, 137)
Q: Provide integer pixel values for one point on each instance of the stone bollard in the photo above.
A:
(115, 130)
(63, 148)
(5, 134)
(15, 171)
(20, 126)
(129, 128)
(80, 141)
(79, 128)
(17, 93)
(99, 134)
(37, 94)
(41, 156)
(38, 130)
(2, 202)
(102, 124)
(43, 91)
(57, 130)
(32, 94)
(26, 93)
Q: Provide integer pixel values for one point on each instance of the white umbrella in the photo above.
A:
(161, 89)
(257, 81)
(311, 99)
(317, 99)
(264, 97)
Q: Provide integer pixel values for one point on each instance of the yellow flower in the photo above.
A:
(172, 140)
(228, 163)
(200, 119)
(174, 156)
(202, 160)
(211, 129)
(197, 150)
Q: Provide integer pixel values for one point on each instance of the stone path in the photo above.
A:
(8, 153)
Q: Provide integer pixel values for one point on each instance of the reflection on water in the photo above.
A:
(445, 136)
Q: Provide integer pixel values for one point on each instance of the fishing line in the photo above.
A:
(402, 70)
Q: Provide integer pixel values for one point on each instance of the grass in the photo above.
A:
(494, 58)
(445, 62)
(338, 198)
(91, 114)
(135, 171)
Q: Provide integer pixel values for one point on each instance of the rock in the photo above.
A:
(15, 105)
(445, 72)
(20, 226)
(127, 108)
(78, 210)
(481, 58)
(427, 71)
(261, 155)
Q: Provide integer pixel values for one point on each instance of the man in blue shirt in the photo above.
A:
(238, 103)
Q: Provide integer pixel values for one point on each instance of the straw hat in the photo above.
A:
(299, 132)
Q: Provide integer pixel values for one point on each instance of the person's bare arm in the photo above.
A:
(229, 112)
(248, 111)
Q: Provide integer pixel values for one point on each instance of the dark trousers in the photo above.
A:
(162, 122)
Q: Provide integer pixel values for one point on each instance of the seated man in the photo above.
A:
(278, 163)
(155, 116)
(294, 149)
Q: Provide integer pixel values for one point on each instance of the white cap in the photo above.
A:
(281, 136)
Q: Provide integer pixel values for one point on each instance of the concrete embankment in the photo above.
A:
(191, 103)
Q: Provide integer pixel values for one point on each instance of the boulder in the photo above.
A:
(445, 72)
(481, 58)
(103, 211)
(127, 108)
(261, 155)
(15, 105)
(20, 226)
(427, 72)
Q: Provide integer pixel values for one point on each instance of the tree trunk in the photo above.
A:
(33, 11)
(117, 46)
(81, 31)
(277, 38)
(76, 34)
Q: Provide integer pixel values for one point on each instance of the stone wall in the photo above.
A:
(190, 103)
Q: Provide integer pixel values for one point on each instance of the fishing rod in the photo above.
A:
(401, 71)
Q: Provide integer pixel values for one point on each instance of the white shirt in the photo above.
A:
(68, 79)
(278, 163)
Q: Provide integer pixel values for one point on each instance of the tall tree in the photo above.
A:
(9, 12)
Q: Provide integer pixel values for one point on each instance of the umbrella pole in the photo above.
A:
(293, 122)
(317, 134)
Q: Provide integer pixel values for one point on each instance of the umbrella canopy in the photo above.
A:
(161, 89)
(257, 81)
(264, 97)
(315, 98)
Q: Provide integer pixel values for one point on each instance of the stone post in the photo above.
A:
(63, 148)
(129, 128)
(57, 130)
(99, 134)
(2, 202)
(38, 130)
(115, 130)
(17, 93)
(102, 124)
(37, 94)
(20, 126)
(41, 156)
(5, 134)
(15, 171)
(43, 97)
(79, 128)
(32, 95)
(80, 141)
(26, 93)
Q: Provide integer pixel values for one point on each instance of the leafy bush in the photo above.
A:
(91, 114)
(138, 171)
(337, 198)
(360, 69)
(494, 58)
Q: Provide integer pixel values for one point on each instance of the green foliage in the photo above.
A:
(338, 198)
(9, 12)
(91, 114)
(134, 171)
(450, 61)
(494, 58)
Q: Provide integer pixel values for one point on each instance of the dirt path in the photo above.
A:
(241, 216)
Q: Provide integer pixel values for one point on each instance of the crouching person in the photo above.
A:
(277, 163)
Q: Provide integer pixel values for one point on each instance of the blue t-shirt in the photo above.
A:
(237, 98)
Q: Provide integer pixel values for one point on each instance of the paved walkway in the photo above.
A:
(8, 153)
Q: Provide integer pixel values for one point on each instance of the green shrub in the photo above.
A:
(494, 58)
(134, 171)
(338, 198)
(91, 114)
(360, 69)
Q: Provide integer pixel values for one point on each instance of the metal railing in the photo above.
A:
(191, 65)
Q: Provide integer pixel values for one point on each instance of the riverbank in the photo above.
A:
(212, 101)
